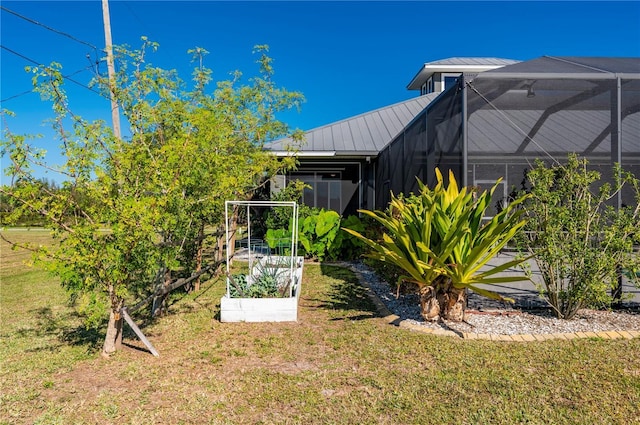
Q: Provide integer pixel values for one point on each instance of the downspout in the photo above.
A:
(616, 134)
(616, 156)
(465, 144)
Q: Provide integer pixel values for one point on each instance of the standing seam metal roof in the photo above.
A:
(364, 134)
(567, 67)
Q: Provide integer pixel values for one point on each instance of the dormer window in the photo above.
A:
(449, 80)
(437, 76)
(427, 87)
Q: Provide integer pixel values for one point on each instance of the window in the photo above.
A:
(427, 87)
(325, 191)
(499, 199)
(449, 80)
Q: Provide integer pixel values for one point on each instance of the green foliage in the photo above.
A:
(130, 211)
(266, 281)
(279, 217)
(441, 232)
(263, 287)
(317, 232)
(279, 240)
(345, 246)
(579, 240)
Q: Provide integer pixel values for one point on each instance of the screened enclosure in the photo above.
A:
(548, 107)
(495, 124)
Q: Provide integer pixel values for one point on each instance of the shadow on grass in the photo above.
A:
(60, 330)
(346, 294)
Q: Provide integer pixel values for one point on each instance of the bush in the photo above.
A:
(317, 232)
(580, 242)
(345, 246)
(442, 242)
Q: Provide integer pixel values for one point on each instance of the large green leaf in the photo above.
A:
(440, 231)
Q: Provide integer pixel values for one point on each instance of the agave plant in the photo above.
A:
(440, 240)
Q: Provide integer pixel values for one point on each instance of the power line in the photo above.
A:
(67, 77)
(48, 27)
(31, 91)
(16, 96)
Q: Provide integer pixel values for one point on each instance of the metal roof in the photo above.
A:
(363, 135)
(568, 67)
(457, 64)
(470, 61)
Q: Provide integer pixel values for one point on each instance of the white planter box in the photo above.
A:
(265, 309)
(258, 309)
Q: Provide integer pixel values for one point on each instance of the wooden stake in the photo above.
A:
(138, 332)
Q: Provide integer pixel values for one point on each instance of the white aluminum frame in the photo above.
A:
(294, 234)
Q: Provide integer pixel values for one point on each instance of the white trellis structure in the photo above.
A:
(285, 269)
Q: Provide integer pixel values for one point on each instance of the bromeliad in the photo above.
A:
(440, 240)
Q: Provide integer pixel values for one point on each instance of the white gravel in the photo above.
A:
(529, 315)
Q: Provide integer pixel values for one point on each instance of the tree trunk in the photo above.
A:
(442, 301)
(220, 242)
(233, 231)
(452, 302)
(196, 285)
(113, 338)
(429, 307)
(159, 303)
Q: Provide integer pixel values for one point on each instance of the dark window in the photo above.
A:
(450, 82)
(325, 189)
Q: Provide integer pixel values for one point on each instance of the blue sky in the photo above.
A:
(345, 57)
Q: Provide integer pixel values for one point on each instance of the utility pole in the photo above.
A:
(115, 111)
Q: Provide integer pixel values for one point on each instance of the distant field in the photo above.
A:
(339, 364)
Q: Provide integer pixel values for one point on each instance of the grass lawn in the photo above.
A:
(339, 364)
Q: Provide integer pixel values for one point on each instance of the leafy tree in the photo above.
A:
(580, 242)
(439, 239)
(140, 205)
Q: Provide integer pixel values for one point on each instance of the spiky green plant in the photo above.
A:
(440, 239)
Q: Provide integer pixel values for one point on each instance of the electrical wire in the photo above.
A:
(16, 96)
(48, 28)
(67, 77)
(141, 24)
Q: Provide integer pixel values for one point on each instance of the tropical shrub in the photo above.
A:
(279, 240)
(317, 232)
(580, 242)
(345, 246)
(439, 238)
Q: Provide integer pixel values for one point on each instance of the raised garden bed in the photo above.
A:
(269, 290)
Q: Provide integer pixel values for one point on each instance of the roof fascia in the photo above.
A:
(304, 154)
(332, 154)
(558, 76)
(428, 69)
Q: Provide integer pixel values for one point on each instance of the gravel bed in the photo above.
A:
(529, 314)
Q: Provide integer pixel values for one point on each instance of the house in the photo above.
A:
(483, 118)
